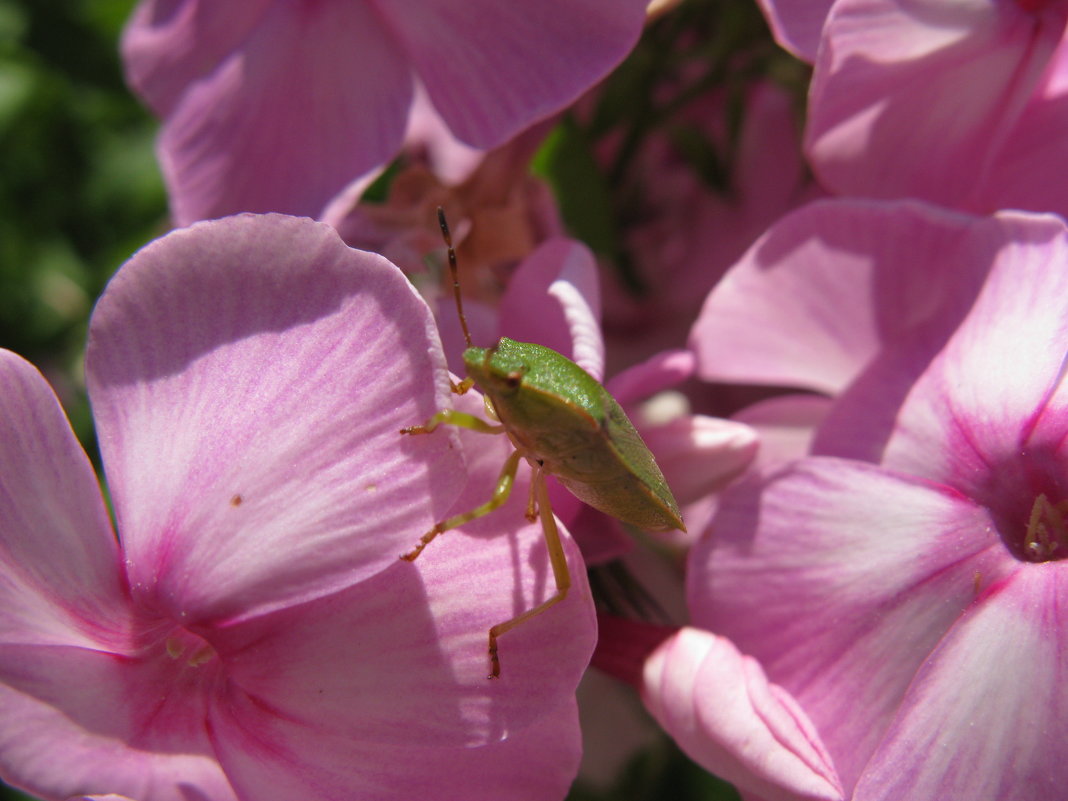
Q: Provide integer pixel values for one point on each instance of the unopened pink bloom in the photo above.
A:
(251, 633)
(907, 584)
(958, 103)
(273, 105)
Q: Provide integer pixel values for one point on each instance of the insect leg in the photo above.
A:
(531, 513)
(504, 488)
(558, 561)
(451, 417)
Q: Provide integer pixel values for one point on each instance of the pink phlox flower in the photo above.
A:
(898, 584)
(251, 632)
(272, 105)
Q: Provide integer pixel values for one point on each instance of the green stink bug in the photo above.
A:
(565, 424)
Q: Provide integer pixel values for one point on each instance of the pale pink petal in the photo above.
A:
(838, 278)
(914, 99)
(415, 667)
(492, 68)
(797, 24)
(270, 759)
(814, 548)
(554, 300)
(721, 709)
(289, 116)
(249, 379)
(76, 722)
(61, 580)
(985, 716)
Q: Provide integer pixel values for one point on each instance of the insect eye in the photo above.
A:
(514, 379)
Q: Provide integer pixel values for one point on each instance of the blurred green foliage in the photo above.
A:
(79, 188)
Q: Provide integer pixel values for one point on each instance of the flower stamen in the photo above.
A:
(1047, 530)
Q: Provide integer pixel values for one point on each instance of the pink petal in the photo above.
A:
(249, 379)
(270, 759)
(785, 425)
(914, 99)
(722, 710)
(554, 299)
(281, 124)
(76, 722)
(497, 67)
(985, 715)
(841, 578)
(61, 579)
(797, 24)
(1026, 172)
(169, 44)
(839, 278)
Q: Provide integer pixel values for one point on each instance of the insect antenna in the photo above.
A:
(455, 274)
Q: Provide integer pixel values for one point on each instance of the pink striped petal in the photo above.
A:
(985, 715)
(272, 761)
(75, 722)
(249, 379)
